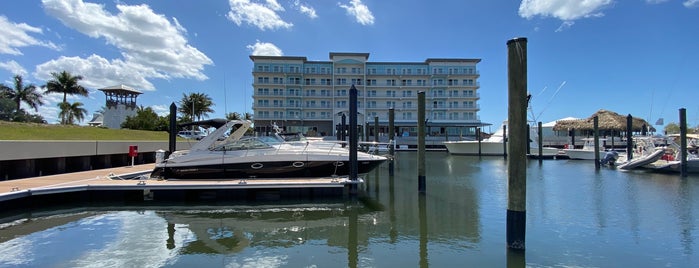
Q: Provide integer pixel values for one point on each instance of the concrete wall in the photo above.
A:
(18, 150)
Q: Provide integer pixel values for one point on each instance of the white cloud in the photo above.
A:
(262, 16)
(152, 46)
(264, 49)
(305, 9)
(13, 67)
(98, 72)
(655, 1)
(360, 11)
(161, 110)
(566, 10)
(16, 35)
(691, 3)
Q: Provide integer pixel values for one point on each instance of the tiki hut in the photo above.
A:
(607, 121)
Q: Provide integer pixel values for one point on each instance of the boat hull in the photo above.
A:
(279, 169)
(580, 154)
(490, 149)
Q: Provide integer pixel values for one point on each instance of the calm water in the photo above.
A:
(576, 217)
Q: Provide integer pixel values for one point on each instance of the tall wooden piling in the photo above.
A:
(504, 141)
(540, 139)
(629, 137)
(376, 129)
(421, 184)
(595, 130)
(173, 129)
(353, 172)
(683, 142)
(529, 140)
(343, 128)
(517, 122)
(478, 138)
(391, 139)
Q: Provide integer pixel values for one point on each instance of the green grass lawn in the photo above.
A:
(29, 131)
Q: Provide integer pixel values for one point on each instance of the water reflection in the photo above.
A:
(576, 216)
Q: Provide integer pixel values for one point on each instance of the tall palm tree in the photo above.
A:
(195, 105)
(65, 83)
(70, 113)
(21, 93)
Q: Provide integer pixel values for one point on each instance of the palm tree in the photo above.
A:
(195, 105)
(71, 112)
(65, 83)
(21, 93)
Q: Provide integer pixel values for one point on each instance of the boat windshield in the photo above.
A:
(251, 143)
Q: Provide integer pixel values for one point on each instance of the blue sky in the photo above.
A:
(632, 57)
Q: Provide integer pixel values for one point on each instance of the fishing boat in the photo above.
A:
(232, 156)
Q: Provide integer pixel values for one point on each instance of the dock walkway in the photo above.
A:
(108, 179)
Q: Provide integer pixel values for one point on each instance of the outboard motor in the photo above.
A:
(610, 158)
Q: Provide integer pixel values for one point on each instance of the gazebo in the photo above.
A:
(607, 121)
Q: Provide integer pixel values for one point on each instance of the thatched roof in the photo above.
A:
(607, 120)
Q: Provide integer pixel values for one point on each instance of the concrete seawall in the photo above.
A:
(21, 159)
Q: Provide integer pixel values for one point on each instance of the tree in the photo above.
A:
(195, 106)
(21, 93)
(233, 116)
(65, 83)
(146, 119)
(70, 113)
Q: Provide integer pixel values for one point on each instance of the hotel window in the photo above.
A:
(355, 70)
(468, 104)
(310, 92)
(372, 93)
(341, 92)
(407, 115)
(408, 105)
(390, 104)
(468, 93)
(263, 103)
(276, 69)
(371, 104)
(277, 103)
(341, 81)
(278, 92)
(390, 93)
(341, 70)
(454, 104)
(421, 71)
(407, 93)
(263, 91)
(324, 92)
(453, 116)
(278, 114)
(263, 80)
(390, 82)
(469, 116)
(357, 81)
(372, 71)
(340, 104)
(371, 82)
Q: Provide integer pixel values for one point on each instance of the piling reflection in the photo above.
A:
(422, 207)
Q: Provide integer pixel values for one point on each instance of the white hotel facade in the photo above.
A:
(301, 95)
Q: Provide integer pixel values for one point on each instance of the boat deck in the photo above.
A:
(113, 179)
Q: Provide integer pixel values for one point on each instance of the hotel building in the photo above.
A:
(311, 96)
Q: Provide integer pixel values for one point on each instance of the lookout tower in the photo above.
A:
(121, 102)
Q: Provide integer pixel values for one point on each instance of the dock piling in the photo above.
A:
(683, 142)
(353, 139)
(173, 129)
(391, 140)
(421, 184)
(595, 127)
(629, 137)
(517, 122)
(540, 133)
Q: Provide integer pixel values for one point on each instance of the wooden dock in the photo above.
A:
(112, 179)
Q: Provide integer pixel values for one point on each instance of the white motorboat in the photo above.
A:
(238, 157)
(494, 146)
(587, 152)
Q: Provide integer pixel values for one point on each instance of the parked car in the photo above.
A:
(191, 134)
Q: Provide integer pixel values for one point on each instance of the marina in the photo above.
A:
(576, 216)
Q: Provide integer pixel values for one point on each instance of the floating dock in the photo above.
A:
(130, 185)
